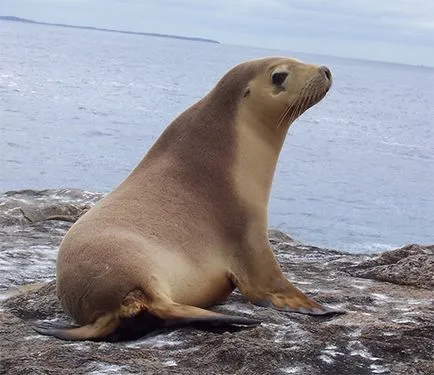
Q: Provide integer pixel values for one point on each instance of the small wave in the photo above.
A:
(14, 145)
(100, 113)
(97, 133)
(407, 150)
(12, 161)
(400, 144)
(113, 84)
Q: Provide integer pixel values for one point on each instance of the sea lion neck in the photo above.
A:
(207, 128)
(258, 150)
(196, 154)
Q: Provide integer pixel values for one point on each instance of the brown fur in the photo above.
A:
(190, 222)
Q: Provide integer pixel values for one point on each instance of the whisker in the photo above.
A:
(283, 115)
(299, 105)
(298, 110)
(291, 118)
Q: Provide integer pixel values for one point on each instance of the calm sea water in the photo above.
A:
(80, 109)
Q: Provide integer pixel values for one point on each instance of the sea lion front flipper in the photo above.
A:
(261, 280)
(177, 314)
(283, 296)
(296, 305)
(101, 328)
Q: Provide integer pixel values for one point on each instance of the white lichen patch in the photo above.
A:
(372, 308)
(304, 282)
(379, 369)
(331, 350)
(107, 369)
(360, 286)
(381, 297)
(238, 308)
(52, 320)
(356, 348)
(157, 342)
(280, 331)
(404, 321)
(416, 302)
(79, 346)
(292, 370)
(331, 347)
(362, 283)
(105, 345)
(326, 359)
(36, 337)
(329, 353)
(170, 363)
(405, 309)
(364, 354)
(282, 335)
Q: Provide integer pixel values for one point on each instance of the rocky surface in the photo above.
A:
(388, 327)
(410, 265)
(32, 224)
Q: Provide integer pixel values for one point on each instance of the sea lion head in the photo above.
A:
(285, 88)
(275, 90)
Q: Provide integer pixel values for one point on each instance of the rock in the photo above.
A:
(33, 206)
(32, 224)
(388, 327)
(409, 265)
(278, 237)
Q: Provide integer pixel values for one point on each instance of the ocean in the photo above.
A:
(80, 108)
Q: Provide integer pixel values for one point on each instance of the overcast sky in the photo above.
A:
(388, 30)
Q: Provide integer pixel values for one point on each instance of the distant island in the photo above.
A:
(18, 19)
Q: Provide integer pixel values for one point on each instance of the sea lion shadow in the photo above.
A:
(145, 325)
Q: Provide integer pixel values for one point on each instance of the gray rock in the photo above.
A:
(388, 327)
(409, 265)
(32, 224)
(33, 206)
(278, 237)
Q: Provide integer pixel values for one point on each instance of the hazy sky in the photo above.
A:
(390, 30)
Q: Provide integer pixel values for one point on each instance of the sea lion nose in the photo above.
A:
(326, 72)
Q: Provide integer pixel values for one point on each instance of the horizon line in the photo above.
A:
(205, 40)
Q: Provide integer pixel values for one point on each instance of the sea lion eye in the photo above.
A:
(278, 78)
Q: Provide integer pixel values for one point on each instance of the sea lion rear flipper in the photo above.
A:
(102, 327)
(177, 314)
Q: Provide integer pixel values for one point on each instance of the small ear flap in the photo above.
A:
(246, 92)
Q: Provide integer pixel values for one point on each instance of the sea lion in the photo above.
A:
(189, 223)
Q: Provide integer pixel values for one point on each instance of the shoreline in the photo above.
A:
(50, 197)
(92, 28)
